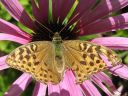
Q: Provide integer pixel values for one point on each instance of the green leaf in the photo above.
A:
(126, 59)
(73, 26)
(121, 33)
(25, 29)
(70, 12)
(50, 16)
(87, 37)
(4, 14)
(7, 46)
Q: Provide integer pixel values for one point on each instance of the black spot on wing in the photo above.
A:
(98, 48)
(27, 57)
(90, 49)
(21, 50)
(28, 50)
(91, 63)
(83, 62)
(34, 56)
(29, 64)
(33, 47)
(84, 55)
(97, 61)
(21, 57)
(37, 63)
(92, 56)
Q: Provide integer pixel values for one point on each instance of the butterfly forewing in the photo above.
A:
(35, 58)
(84, 58)
(46, 63)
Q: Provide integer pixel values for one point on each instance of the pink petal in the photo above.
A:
(37, 12)
(3, 65)
(40, 89)
(109, 24)
(9, 28)
(106, 80)
(119, 43)
(83, 8)
(18, 12)
(101, 79)
(105, 7)
(13, 38)
(99, 83)
(43, 10)
(59, 5)
(89, 89)
(105, 59)
(56, 8)
(120, 70)
(53, 90)
(19, 85)
(69, 86)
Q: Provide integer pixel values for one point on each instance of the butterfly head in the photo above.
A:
(57, 38)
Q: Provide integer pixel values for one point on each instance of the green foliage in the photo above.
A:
(70, 12)
(24, 28)
(7, 46)
(50, 15)
(124, 54)
(4, 14)
(121, 33)
(89, 37)
(7, 77)
(126, 59)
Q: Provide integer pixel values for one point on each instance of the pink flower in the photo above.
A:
(89, 17)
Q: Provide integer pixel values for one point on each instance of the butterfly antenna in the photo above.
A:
(45, 27)
(68, 23)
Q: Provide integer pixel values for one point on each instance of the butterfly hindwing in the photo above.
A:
(42, 62)
(84, 58)
(35, 58)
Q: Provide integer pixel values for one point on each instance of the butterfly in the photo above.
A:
(47, 61)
